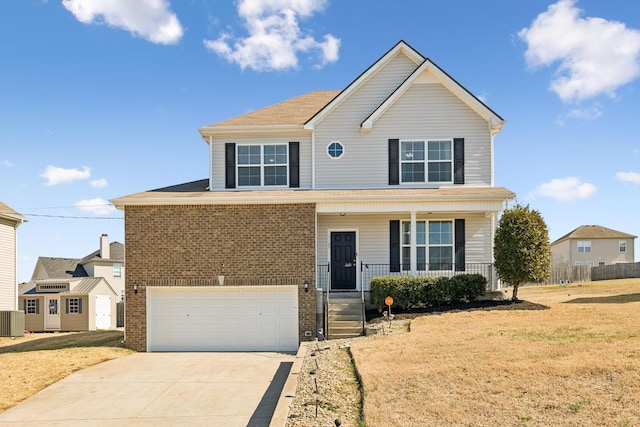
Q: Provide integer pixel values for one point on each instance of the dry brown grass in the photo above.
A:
(30, 363)
(576, 364)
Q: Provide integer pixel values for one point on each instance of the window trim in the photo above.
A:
(584, 246)
(426, 161)
(622, 246)
(426, 265)
(31, 306)
(117, 272)
(342, 150)
(74, 305)
(262, 165)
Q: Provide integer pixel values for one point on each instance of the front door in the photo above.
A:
(343, 260)
(52, 312)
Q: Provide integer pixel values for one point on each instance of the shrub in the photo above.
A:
(410, 292)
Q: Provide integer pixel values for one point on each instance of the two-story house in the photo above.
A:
(593, 246)
(316, 194)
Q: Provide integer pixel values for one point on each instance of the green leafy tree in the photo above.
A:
(521, 248)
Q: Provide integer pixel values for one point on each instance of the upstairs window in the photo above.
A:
(622, 245)
(434, 165)
(117, 270)
(335, 150)
(262, 165)
(584, 246)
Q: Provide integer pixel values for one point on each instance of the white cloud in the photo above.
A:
(95, 206)
(587, 113)
(564, 189)
(594, 56)
(98, 183)
(632, 177)
(275, 39)
(6, 163)
(55, 175)
(152, 20)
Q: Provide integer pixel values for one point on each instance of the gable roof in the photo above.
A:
(61, 268)
(293, 112)
(8, 213)
(594, 232)
(423, 64)
(81, 286)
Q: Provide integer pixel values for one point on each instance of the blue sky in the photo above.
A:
(103, 98)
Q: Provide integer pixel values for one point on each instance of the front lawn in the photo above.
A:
(576, 363)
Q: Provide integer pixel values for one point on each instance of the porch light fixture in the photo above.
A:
(306, 286)
(135, 287)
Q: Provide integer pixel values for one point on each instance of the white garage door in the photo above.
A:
(234, 318)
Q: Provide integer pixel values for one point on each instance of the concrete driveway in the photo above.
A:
(160, 389)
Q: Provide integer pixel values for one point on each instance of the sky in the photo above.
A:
(102, 98)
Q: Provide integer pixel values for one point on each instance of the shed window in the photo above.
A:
(31, 306)
(74, 305)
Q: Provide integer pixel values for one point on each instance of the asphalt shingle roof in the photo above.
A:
(594, 232)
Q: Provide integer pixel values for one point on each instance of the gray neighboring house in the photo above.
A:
(9, 222)
(592, 245)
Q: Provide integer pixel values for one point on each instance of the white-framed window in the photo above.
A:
(590, 263)
(73, 306)
(117, 270)
(434, 245)
(584, 246)
(263, 165)
(31, 306)
(600, 263)
(578, 263)
(622, 246)
(426, 161)
(421, 245)
(335, 149)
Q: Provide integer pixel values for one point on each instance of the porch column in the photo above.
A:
(413, 251)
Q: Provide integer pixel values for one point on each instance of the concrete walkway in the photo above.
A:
(163, 389)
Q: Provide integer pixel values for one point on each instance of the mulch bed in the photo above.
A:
(374, 316)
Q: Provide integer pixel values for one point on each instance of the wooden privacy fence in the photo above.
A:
(616, 271)
(579, 273)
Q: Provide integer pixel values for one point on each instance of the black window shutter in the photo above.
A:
(24, 306)
(394, 162)
(394, 246)
(460, 243)
(230, 165)
(458, 160)
(80, 305)
(66, 305)
(294, 164)
(37, 306)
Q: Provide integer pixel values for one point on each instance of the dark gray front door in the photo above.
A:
(343, 260)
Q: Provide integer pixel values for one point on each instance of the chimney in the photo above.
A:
(105, 249)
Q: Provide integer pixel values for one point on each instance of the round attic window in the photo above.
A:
(335, 150)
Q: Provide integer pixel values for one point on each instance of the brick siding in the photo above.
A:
(187, 246)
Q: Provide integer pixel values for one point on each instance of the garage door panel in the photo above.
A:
(223, 318)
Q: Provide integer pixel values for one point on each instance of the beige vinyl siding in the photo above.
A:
(75, 322)
(372, 232)
(605, 250)
(8, 285)
(561, 254)
(424, 111)
(218, 159)
(33, 322)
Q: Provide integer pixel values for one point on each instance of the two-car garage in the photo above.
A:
(222, 318)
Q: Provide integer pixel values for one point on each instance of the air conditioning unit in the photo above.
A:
(11, 323)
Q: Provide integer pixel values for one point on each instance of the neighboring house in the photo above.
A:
(322, 192)
(72, 304)
(69, 294)
(9, 222)
(592, 245)
(106, 262)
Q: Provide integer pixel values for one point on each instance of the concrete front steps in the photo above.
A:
(345, 317)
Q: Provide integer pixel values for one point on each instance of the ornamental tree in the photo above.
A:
(521, 248)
